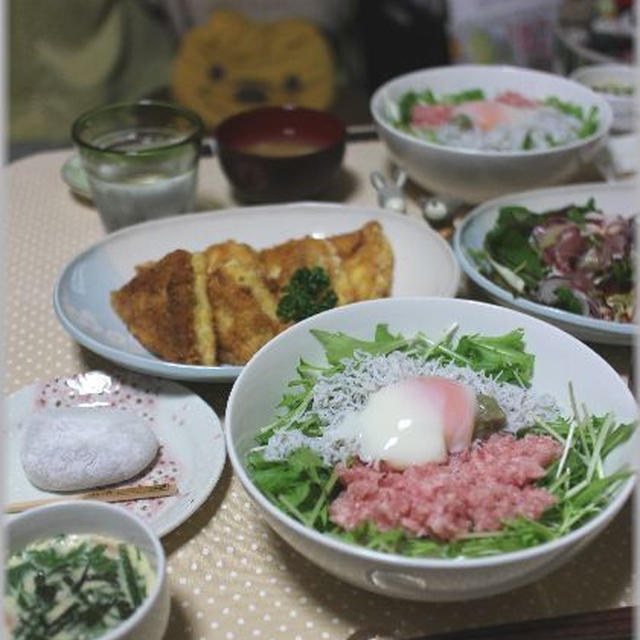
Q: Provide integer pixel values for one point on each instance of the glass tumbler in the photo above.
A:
(141, 160)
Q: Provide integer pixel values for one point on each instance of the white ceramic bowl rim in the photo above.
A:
(619, 69)
(395, 559)
(143, 610)
(605, 114)
(585, 76)
(554, 314)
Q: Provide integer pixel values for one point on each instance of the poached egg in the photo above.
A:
(415, 421)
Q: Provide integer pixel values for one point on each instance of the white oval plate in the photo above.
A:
(618, 199)
(190, 434)
(424, 266)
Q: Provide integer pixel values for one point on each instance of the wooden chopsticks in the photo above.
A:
(114, 494)
(611, 624)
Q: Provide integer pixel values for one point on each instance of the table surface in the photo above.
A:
(230, 576)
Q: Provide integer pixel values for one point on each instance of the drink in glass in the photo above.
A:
(141, 160)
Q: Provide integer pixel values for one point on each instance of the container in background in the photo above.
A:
(141, 160)
(617, 84)
(280, 153)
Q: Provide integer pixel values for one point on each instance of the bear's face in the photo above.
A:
(231, 64)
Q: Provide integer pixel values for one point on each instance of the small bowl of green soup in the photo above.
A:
(83, 570)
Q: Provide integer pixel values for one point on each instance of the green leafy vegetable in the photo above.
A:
(577, 213)
(527, 142)
(307, 293)
(503, 357)
(589, 122)
(508, 243)
(301, 485)
(468, 95)
(409, 100)
(338, 345)
(568, 108)
(567, 300)
(405, 105)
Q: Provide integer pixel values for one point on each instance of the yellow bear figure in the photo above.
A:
(232, 64)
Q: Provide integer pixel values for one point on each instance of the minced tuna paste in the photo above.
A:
(475, 490)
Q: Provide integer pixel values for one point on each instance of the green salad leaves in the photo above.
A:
(589, 119)
(563, 258)
(301, 485)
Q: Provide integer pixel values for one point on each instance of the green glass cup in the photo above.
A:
(141, 160)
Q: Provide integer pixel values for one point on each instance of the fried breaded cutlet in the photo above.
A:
(359, 264)
(367, 261)
(201, 308)
(219, 305)
(244, 310)
(282, 261)
(248, 270)
(158, 307)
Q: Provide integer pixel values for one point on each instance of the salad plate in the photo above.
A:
(614, 199)
(424, 265)
(192, 449)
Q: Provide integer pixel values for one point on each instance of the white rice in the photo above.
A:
(336, 396)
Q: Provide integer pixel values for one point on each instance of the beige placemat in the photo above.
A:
(230, 576)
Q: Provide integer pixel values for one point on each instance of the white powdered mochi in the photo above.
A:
(75, 448)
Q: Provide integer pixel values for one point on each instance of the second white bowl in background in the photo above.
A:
(617, 84)
(474, 175)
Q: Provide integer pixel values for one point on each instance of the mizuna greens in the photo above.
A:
(303, 486)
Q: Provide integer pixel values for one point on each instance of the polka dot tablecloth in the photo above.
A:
(230, 576)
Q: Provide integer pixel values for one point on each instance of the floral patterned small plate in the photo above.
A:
(192, 449)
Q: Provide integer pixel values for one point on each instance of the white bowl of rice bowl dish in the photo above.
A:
(432, 449)
(475, 132)
(84, 569)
